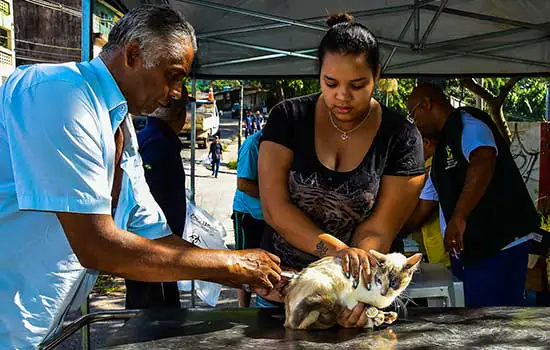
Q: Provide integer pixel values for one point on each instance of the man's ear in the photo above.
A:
(428, 103)
(377, 73)
(132, 54)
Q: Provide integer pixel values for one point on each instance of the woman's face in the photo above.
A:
(347, 84)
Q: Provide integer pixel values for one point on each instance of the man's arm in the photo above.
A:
(101, 245)
(479, 148)
(478, 176)
(422, 213)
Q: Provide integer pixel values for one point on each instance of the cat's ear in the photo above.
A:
(379, 257)
(413, 261)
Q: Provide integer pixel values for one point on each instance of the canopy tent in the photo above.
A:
(261, 38)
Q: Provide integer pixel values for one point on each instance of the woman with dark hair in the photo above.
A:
(339, 172)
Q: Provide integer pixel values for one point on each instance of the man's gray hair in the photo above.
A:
(160, 31)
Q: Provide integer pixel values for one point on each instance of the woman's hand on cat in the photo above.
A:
(355, 318)
(354, 262)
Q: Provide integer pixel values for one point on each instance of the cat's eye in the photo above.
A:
(378, 281)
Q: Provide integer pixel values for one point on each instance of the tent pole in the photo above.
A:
(193, 142)
(251, 59)
(87, 28)
(401, 36)
(278, 19)
(416, 23)
(241, 115)
(493, 19)
(86, 43)
(261, 48)
(432, 24)
(477, 52)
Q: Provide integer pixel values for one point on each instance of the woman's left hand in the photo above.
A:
(354, 262)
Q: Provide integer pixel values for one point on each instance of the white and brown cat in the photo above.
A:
(317, 295)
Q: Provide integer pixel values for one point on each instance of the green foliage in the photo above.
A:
(107, 284)
(232, 164)
(398, 99)
(525, 102)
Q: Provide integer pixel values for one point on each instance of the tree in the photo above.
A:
(495, 101)
(398, 99)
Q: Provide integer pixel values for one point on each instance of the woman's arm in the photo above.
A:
(396, 201)
(280, 213)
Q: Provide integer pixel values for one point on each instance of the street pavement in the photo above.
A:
(215, 195)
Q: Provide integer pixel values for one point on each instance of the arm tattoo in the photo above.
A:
(321, 248)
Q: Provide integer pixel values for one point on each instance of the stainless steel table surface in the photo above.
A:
(497, 328)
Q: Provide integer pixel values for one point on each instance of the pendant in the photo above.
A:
(344, 136)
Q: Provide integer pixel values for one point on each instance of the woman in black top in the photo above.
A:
(339, 173)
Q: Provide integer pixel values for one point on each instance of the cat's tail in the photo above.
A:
(313, 312)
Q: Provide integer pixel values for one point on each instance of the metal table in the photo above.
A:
(438, 285)
(498, 328)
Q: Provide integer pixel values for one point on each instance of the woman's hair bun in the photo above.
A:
(342, 17)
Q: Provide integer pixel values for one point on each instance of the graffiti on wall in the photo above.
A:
(525, 149)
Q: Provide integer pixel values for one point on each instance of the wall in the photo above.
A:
(47, 33)
(7, 49)
(530, 149)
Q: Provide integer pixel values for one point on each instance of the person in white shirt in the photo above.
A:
(72, 189)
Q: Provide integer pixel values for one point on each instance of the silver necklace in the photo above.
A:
(345, 134)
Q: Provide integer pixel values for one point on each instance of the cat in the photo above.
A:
(320, 291)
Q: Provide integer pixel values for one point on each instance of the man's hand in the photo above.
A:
(355, 318)
(254, 267)
(454, 234)
(278, 293)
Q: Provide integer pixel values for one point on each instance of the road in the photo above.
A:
(216, 195)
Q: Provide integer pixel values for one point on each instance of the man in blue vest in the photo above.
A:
(487, 215)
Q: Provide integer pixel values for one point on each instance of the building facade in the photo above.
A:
(7, 40)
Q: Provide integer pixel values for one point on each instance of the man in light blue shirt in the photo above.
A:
(72, 189)
(248, 218)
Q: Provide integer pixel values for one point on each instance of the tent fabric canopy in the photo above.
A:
(268, 38)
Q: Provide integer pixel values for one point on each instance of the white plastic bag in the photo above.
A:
(203, 230)
(207, 162)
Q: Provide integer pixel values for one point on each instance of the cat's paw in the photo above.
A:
(371, 312)
(379, 319)
(390, 317)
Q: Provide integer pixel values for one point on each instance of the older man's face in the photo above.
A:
(151, 88)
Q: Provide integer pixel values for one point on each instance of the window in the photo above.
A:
(5, 38)
(4, 7)
(5, 59)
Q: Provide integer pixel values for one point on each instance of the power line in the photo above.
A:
(47, 45)
(35, 60)
(44, 53)
(56, 7)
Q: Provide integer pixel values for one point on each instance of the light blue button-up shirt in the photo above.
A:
(57, 152)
